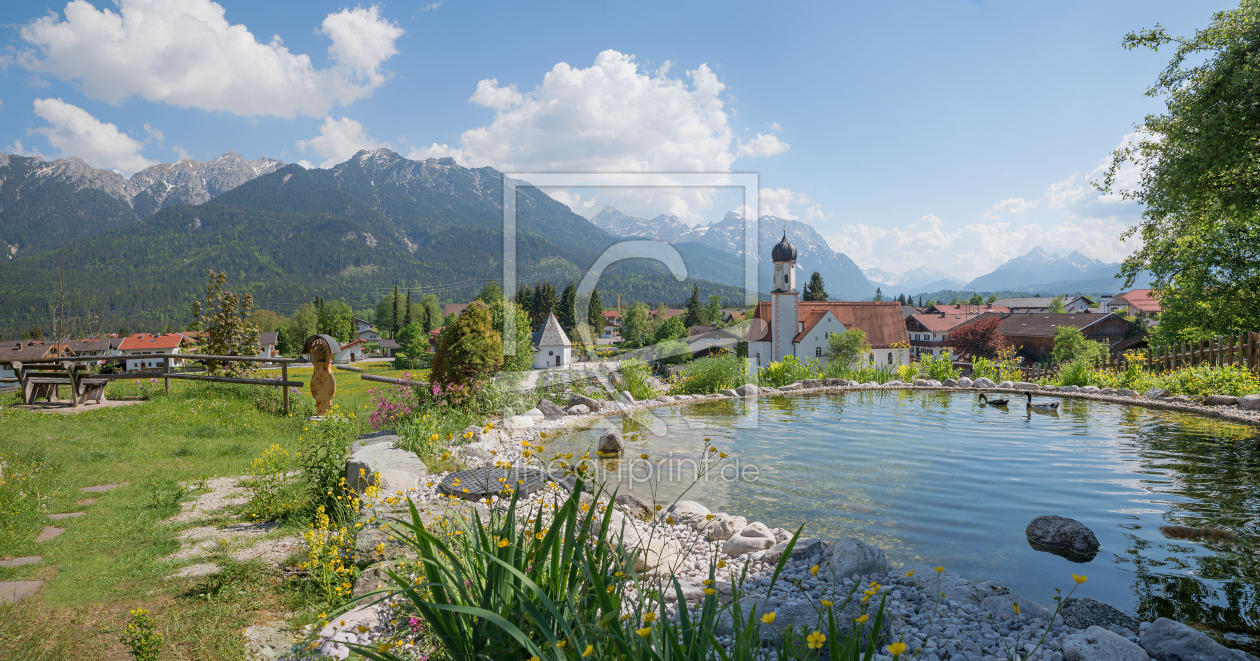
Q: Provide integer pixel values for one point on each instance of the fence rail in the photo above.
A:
(1242, 349)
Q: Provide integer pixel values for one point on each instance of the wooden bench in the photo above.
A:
(44, 381)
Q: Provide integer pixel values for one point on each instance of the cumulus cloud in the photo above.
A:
(72, 131)
(612, 116)
(154, 133)
(338, 140)
(765, 144)
(185, 53)
(778, 202)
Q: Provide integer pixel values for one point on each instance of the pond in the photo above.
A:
(934, 477)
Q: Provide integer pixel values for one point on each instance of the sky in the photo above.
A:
(950, 134)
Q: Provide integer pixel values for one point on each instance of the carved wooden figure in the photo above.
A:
(321, 349)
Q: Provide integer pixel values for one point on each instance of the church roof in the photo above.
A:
(882, 322)
(783, 251)
(551, 334)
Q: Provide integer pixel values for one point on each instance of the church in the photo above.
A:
(787, 326)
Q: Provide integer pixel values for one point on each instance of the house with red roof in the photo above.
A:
(787, 326)
(1139, 302)
(145, 351)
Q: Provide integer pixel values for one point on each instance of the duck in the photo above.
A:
(1040, 405)
(993, 402)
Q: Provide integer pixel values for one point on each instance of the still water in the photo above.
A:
(936, 478)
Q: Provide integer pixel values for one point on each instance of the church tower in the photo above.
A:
(783, 300)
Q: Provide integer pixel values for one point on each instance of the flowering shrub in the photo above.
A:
(140, 639)
(789, 370)
(269, 486)
(330, 558)
(391, 406)
(709, 375)
(325, 446)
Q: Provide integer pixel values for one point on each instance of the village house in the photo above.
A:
(1039, 304)
(1032, 335)
(929, 332)
(612, 324)
(365, 331)
(107, 346)
(709, 340)
(453, 308)
(145, 351)
(267, 344)
(28, 351)
(1139, 303)
(388, 347)
(552, 347)
(353, 351)
(787, 326)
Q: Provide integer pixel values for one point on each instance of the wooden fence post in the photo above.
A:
(166, 368)
(1255, 350)
(284, 376)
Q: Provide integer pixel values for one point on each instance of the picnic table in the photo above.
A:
(44, 380)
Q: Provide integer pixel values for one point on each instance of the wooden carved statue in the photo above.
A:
(321, 349)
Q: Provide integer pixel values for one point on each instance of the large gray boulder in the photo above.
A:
(399, 470)
(687, 510)
(1063, 536)
(754, 537)
(1099, 644)
(1220, 400)
(1249, 402)
(748, 390)
(590, 403)
(1168, 640)
(1155, 393)
(1083, 613)
(610, 441)
(811, 383)
(636, 506)
(1006, 384)
(965, 382)
(578, 409)
(730, 393)
(806, 548)
(849, 555)
(984, 382)
(1003, 606)
(627, 398)
(1024, 385)
(550, 409)
(375, 577)
(722, 527)
(1069, 388)
(835, 382)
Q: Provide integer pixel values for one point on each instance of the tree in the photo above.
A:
(124, 331)
(567, 313)
(469, 349)
(595, 314)
(634, 323)
(523, 360)
(670, 329)
(336, 319)
(879, 295)
(815, 291)
(302, 324)
(432, 312)
(1071, 344)
(395, 324)
(387, 312)
(954, 300)
(1056, 305)
(713, 311)
(490, 293)
(848, 347)
(694, 316)
(979, 337)
(413, 341)
(901, 298)
(976, 299)
(407, 310)
(420, 315)
(1199, 182)
(265, 320)
(225, 319)
(992, 299)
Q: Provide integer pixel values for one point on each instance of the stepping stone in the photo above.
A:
(11, 591)
(48, 533)
(484, 482)
(86, 501)
(18, 562)
(102, 488)
(67, 515)
(203, 569)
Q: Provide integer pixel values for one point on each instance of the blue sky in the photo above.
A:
(941, 133)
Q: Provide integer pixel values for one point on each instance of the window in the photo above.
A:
(890, 358)
(758, 355)
(818, 351)
(551, 353)
(785, 278)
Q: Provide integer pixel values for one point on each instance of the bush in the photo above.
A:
(1075, 373)
(788, 370)
(846, 349)
(635, 379)
(1070, 344)
(325, 446)
(423, 362)
(469, 350)
(270, 495)
(937, 368)
(711, 374)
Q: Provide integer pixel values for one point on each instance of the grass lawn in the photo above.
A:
(110, 561)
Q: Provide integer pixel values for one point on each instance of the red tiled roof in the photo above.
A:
(1139, 300)
(453, 308)
(935, 323)
(612, 313)
(669, 314)
(881, 321)
(148, 341)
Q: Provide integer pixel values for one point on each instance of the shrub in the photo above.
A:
(422, 362)
(469, 350)
(978, 338)
(635, 379)
(140, 639)
(1070, 344)
(789, 370)
(270, 496)
(1205, 380)
(330, 557)
(847, 348)
(937, 368)
(1075, 373)
(325, 446)
(711, 374)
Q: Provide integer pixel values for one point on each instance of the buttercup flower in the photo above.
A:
(1079, 579)
(644, 632)
(815, 640)
(768, 618)
(861, 619)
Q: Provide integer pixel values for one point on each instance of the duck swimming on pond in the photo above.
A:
(1040, 405)
(993, 402)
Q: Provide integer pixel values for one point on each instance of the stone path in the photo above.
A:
(67, 515)
(11, 591)
(244, 541)
(102, 488)
(49, 532)
(18, 562)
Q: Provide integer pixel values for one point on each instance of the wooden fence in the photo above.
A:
(1242, 349)
(167, 372)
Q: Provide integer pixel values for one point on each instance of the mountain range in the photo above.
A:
(842, 278)
(1039, 270)
(917, 280)
(137, 250)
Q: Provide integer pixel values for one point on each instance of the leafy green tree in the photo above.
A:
(420, 315)
(976, 299)
(1199, 185)
(1071, 344)
(815, 291)
(713, 311)
(670, 329)
(634, 323)
(955, 300)
(225, 320)
(469, 350)
(879, 295)
(265, 320)
(336, 319)
(1056, 305)
(847, 348)
(386, 312)
(694, 314)
(302, 324)
(122, 332)
(595, 314)
(407, 311)
(992, 299)
(432, 312)
(413, 341)
(524, 358)
(490, 293)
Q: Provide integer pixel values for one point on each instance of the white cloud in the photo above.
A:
(765, 144)
(438, 151)
(778, 202)
(154, 133)
(181, 152)
(612, 117)
(185, 53)
(306, 164)
(18, 148)
(338, 140)
(72, 131)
